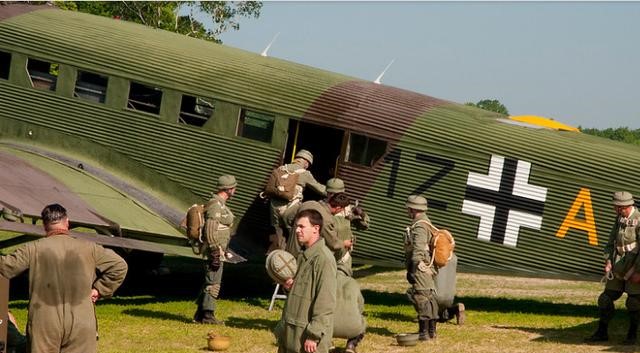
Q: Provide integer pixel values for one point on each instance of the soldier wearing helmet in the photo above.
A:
(622, 269)
(420, 275)
(283, 211)
(216, 236)
(354, 213)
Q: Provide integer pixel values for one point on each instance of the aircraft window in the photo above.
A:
(144, 98)
(92, 87)
(365, 150)
(44, 75)
(5, 64)
(256, 126)
(195, 110)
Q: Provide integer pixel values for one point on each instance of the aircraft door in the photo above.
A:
(325, 143)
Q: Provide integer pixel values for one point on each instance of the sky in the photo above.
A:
(575, 62)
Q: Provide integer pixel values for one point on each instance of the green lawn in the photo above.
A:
(152, 313)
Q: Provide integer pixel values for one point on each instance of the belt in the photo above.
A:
(626, 248)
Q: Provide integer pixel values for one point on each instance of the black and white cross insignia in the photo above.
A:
(504, 200)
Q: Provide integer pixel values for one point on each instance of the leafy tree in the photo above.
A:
(175, 16)
(622, 134)
(492, 105)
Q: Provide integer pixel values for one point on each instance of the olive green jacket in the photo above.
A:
(306, 179)
(218, 222)
(308, 312)
(62, 273)
(622, 249)
(417, 253)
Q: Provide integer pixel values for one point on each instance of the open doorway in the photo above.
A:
(325, 143)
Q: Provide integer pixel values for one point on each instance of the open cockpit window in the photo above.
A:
(365, 150)
(256, 126)
(5, 65)
(92, 87)
(144, 98)
(195, 111)
(43, 74)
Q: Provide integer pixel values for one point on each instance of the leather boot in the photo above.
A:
(601, 334)
(632, 334)
(352, 343)
(431, 328)
(461, 316)
(208, 317)
(423, 335)
(197, 317)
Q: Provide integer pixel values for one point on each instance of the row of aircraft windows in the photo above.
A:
(194, 111)
(90, 86)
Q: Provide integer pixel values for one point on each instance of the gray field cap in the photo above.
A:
(622, 198)
(417, 202)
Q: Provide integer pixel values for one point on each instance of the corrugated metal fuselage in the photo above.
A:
(517, 199)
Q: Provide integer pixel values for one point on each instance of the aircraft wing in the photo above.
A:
(29, 181)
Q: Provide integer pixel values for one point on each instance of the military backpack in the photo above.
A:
(282, 183)
(441, 246)
(194, 221)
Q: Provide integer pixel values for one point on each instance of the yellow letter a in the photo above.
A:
(588, 224)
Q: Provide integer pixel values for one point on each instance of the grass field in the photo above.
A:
(152, 313)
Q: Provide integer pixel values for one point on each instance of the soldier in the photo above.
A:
(216, 236)
(283, 211)
(66, 277)
(419, 274)
(354, 213)
(307, 317)
(351, 316)
(329, 230)
(622, 268)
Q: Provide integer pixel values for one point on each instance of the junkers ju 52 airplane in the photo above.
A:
(127, 126)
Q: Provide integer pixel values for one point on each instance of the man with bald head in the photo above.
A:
(66, 277)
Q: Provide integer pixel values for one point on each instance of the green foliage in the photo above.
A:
(492, 105)
(175, 16)
(622, 134)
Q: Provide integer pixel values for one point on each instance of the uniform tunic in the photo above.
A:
(62, 272)
(217, 233)
(308, 312)
(622, 251)
(329, 232)
(345, 220)
(281, 210)
(417, 257)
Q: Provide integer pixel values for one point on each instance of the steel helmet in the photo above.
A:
(335, 185)
(281, 265)
(306, 155)
(622, 198)
(417, 202)
(227, 182)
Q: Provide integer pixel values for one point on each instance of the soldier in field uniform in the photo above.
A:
(283, 211)
(66, 277)
(216, 236)
(307, 318)
(622, 268)
(419, 274)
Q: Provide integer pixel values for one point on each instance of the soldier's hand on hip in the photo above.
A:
(607, 266)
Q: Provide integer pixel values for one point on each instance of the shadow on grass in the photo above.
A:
(253, 324)
(487, 304)
(395, 316)
(154, 314)
(575, 335)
